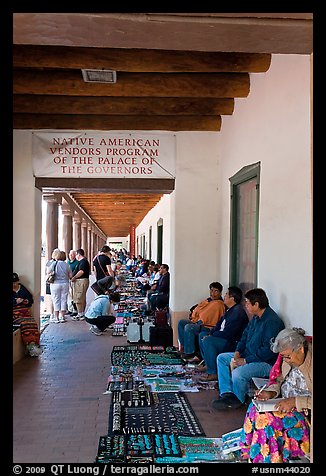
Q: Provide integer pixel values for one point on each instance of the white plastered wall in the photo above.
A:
(191, 248)
(160, 212)
(27, 219)
(190, 222)
(117, 239)
(272, 126)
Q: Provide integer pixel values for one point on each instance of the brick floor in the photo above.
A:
(59, 406)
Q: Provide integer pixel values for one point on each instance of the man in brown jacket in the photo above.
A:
(203, 317)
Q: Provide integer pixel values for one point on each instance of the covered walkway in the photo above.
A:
(59, 406)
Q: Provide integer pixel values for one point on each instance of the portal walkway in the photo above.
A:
(59, 406)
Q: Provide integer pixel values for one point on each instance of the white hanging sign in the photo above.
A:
(105, 155)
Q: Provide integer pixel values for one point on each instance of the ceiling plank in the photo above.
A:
(138, 60)
(114, 213)
(97, 122)
(46, 104)
(218, 85)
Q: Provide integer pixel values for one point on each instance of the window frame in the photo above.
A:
(245, 174)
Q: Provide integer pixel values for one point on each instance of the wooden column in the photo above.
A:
(51, 224)
(88, 251)
(67, 227)
(95, 243)
(77, 231)
(84, 237)
(93, 251)
(132, 232)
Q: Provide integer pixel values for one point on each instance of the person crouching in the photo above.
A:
(100, 313)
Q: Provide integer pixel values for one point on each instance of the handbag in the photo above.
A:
(51, 277)
(161, 317)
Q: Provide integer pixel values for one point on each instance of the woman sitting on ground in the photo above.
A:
(22, 316)
(282, 435)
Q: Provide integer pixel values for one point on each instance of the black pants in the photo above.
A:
(101, 322)
(159, 301)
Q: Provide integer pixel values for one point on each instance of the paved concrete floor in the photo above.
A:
(59, 406)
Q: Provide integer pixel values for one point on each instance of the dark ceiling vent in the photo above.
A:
(99, 76)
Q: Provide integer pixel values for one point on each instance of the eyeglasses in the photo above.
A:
(287, 357)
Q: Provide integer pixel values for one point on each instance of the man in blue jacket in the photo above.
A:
(252, 357)
(226, 333)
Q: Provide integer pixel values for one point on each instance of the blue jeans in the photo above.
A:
(210, 348)
(187, 332)
(237, 382)
(101, 322)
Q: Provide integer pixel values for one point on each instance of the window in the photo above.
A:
(150, 244)
(143, 246)
(244, 227)
(159, 241)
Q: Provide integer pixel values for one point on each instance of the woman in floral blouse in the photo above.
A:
(284, 434)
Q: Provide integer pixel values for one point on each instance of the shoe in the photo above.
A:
(57, 321)
(80, 316)
(96, 331)
(37, 351)
(75, 317)
(33, 350)
(74, 314)
(208, 378)
(227, 401)
(62, 320)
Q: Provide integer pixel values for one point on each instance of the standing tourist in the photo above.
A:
(80, 283)
(60, 287)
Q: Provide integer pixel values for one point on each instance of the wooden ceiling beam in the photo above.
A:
(116, 196)
(118, 215)
(217, 85)
(138, 60)
(285, 33)
(129, 217)
(102, 185)
(109, 203)
(130, 203)
(89, 122)
(131, 207)
(46, 104)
